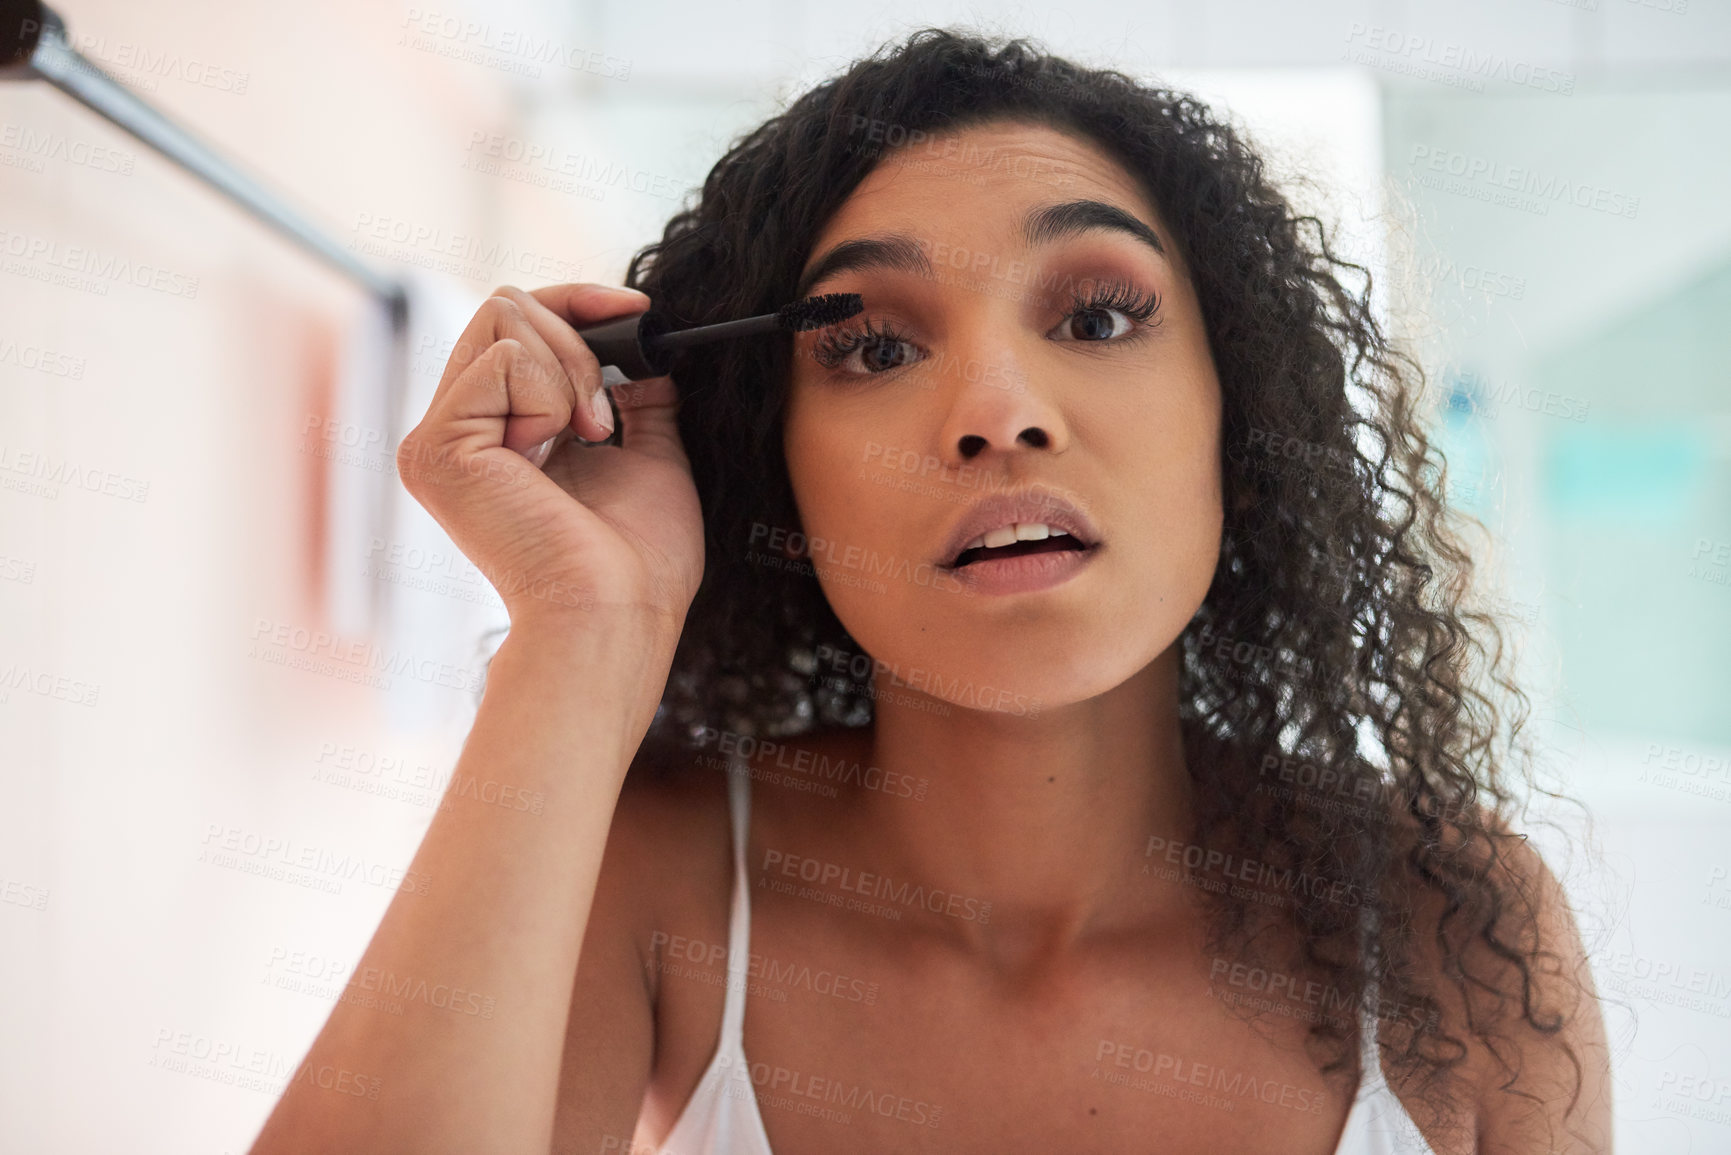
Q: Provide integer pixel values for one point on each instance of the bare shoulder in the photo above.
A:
(665, 864)
(669, 848)
(1540, 1073)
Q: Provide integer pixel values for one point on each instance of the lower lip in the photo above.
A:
(1031, 571)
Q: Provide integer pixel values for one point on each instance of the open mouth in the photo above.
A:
(1053, 544)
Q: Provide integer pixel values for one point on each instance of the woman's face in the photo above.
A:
(981, 379)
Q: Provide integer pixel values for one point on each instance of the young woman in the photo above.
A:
(1112, 765)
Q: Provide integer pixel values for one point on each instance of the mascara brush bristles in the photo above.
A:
(809, 313)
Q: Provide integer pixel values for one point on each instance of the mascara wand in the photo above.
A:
(643, 344)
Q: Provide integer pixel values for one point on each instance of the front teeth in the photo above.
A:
(1020, 531)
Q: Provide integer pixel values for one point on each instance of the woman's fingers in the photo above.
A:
(591, 417)
(516, 377)
(520, 362)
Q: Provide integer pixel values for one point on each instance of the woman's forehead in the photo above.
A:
(1000, 155)
(983, 180)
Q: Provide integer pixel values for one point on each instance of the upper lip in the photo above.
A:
(994, 512)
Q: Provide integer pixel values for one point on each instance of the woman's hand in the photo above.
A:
(557, 526)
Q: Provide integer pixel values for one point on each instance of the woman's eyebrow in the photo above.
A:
(1043, 225)
(1055, 222)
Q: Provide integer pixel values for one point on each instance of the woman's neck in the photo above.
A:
(1047, 817)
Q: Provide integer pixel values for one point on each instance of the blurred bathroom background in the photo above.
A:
(224, 632)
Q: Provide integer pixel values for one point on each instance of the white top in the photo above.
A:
(722, 1118)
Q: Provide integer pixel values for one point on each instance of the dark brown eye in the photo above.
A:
(880, 350)
(1092, 317)
(880, 355)
(1097, 325)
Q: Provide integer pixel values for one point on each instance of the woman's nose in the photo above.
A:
(994, 404)
(972, 445)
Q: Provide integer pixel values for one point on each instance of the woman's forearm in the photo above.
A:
(499, 927)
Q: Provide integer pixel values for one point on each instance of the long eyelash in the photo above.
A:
(833, 346)
(1120, 295)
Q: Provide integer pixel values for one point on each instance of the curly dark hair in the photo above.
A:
(1340, 703)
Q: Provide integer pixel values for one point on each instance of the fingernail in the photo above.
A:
(538, 455)
(603, 411)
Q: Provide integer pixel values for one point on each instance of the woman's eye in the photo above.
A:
(1097, 324)
(1112, 313)
(879, 354)
(879, 350)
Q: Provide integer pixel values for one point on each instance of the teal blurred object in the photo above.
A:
(1473, 481)
(1628, 496)
(1653, 474)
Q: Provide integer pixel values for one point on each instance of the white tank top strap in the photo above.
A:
(721, 1117)
(739, 921)
(1369, 1056)
(1378, 1122)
